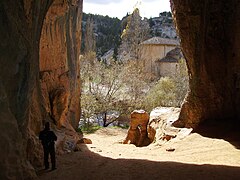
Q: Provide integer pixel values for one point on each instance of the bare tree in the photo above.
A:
(136, 31)
(90, 40)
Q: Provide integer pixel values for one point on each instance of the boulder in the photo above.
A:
(84, 141)
(137, 133)
(67, 140)
(160, 128)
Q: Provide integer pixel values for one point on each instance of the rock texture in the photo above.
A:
(59, 63)
(22, 106)
(157, 128)
(137, 133)
(163, 26)
(209, 32)
(160, 128)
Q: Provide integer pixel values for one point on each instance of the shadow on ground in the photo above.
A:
(88, 165)
(221, 130)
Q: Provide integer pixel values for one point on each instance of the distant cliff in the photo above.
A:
(108, 30)
(163, 26)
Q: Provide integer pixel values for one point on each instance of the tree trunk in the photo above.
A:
(105, 120)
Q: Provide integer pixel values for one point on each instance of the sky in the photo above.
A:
(119, 8)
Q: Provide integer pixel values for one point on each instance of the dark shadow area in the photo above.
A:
(88, 165)
(222, 129)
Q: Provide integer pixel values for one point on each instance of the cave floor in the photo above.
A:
(195, 157)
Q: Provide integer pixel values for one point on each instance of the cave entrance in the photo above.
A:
(127, 62)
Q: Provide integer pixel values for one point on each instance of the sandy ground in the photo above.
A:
(195, 157)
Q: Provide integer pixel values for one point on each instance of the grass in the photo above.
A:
(93, 128)
(88, 129)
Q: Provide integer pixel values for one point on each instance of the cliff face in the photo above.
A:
(59, 63)
(22, 109)
(209, 32)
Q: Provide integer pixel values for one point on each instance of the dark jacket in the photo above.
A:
(47, 137)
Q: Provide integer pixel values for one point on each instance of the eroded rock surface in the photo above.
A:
(137, 133)
(22, 106)
(160, 127)
(59, 62)
(209, 32)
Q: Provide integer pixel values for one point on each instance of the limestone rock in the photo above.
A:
(210, 43)
(59, 62)
(137, 133)
(85, 141)
(23, 109)
(67, 140)
(160, 128)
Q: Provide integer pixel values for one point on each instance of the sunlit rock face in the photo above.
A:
(160, 129)
(22, 106)
(209, 32)
(59, 62)
(137, 132)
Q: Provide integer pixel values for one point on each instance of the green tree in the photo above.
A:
(114, 87)
(101, 83)
(169, 91)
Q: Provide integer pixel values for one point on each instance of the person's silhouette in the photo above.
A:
(47, 138)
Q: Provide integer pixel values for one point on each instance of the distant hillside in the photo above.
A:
(163, 26)
(108, 30)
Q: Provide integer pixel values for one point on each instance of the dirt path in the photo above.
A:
(195, 157)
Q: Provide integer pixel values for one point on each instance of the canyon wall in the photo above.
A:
(209, 32)
(22, 96)
(59, 63)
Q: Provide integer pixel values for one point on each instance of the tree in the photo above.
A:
(169, 91)
(112, 88)
(161, 94)
(136, 31)
(107, 32)
(104, 87)
(90, 40)
(136, 84)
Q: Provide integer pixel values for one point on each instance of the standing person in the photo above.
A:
(47, 138)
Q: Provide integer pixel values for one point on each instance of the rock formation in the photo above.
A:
(157, 128)
(160, 128)
(137, 133)
(59, 63)
(209, 33)
(22, 106)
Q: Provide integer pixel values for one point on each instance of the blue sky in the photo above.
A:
(119, 8)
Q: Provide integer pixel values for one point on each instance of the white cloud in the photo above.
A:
(102, 1)
(119, 8)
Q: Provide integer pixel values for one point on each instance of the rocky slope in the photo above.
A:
(163, 26)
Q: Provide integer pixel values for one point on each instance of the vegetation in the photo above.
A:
(106, 31)
(169, 91)
(88, 129)
(110, 88)
(113, 89)
(135, 31)
(166, 14)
